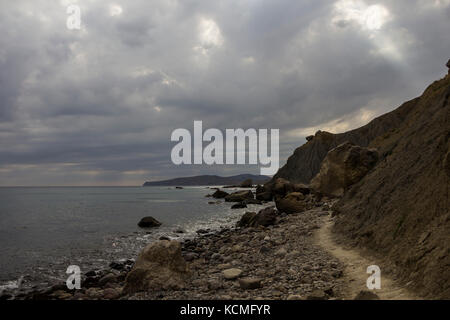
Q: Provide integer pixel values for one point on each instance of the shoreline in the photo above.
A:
(290, 266)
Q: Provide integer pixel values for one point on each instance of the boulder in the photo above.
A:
(246, 219)
(149, 222)
(247, 183)
(281, 187)
(239, 196)
(342, 167)
(264, 217)
(219, 194)
(159, 266)
(448, 66)
(293, 203)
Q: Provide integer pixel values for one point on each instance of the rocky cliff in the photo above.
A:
(305, 163)
(400, 210)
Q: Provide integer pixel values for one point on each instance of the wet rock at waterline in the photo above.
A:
(149, 222)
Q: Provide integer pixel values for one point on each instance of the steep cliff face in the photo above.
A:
(400, 210)
(305, 163)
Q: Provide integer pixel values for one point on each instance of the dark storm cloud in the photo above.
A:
(98, 105)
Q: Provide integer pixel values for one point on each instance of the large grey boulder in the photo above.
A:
(159, 266)
(342, 167)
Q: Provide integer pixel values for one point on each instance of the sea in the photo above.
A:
(43, 230)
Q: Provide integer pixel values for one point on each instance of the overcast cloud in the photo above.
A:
(97, 106)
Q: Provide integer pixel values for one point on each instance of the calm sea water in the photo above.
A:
(44, 230)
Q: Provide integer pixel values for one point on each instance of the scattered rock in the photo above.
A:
(111, 293)
(317, 295)
(295, 297)
(106, 279)
(190, 256)
(250, 283)
(231, 274)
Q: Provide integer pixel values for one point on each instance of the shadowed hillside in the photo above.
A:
(304, 164)
(400, 210)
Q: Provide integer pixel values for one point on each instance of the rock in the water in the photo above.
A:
(247, 183)
(343, 166)
(366, 295)
(159, 266)
(149, 222)
(293, 203)
(239, 205)
(231, 274)
(219, 194)
(239, 196)
(250, 283)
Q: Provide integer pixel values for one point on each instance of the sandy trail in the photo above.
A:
(355, 275)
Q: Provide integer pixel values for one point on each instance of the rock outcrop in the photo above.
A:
(342, 167)
(305, 163)
(159, 266)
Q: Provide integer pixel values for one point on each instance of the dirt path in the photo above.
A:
(355, 275)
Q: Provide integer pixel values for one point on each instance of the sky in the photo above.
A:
(97, 105)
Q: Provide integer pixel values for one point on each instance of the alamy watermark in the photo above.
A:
(234, 150)
(374, 281)
(74, 280)
(73, 21)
